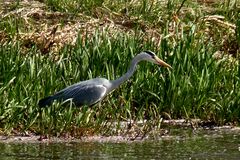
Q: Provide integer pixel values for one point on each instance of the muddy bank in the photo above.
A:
(170, 133)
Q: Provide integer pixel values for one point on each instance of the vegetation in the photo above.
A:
(50, 44)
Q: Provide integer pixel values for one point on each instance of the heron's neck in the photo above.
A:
(116, 83)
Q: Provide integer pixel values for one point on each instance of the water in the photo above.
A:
(202, 145)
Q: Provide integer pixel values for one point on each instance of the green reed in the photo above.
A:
(198, 86)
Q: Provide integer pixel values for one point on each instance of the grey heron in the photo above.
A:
(92, 91)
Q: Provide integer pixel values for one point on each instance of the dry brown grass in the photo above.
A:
(50, 31)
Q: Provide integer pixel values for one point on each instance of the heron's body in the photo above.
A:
(86, 92)
(94, 90)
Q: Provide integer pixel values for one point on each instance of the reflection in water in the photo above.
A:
(220, 145)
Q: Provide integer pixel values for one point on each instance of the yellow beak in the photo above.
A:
(162, 63)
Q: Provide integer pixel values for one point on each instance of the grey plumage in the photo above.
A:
(94, 90)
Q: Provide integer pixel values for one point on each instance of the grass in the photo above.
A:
(200, 85)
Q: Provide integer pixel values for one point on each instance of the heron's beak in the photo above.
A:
(162, 63)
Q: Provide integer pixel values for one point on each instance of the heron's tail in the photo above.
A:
(46, 101)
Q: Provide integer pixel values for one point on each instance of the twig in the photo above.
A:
(180, 6)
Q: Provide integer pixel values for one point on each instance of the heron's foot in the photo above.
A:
(43, 137)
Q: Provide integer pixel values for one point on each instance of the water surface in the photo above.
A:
(204, 144)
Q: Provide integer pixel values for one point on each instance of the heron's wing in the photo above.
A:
(83, 94)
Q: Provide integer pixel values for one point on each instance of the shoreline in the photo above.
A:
(32, 138)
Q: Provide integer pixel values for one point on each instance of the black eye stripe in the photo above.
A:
(150, 53)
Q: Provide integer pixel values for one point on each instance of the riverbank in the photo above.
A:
(48, 45)
(176, 129)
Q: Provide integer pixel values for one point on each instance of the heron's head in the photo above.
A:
(150, 56)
